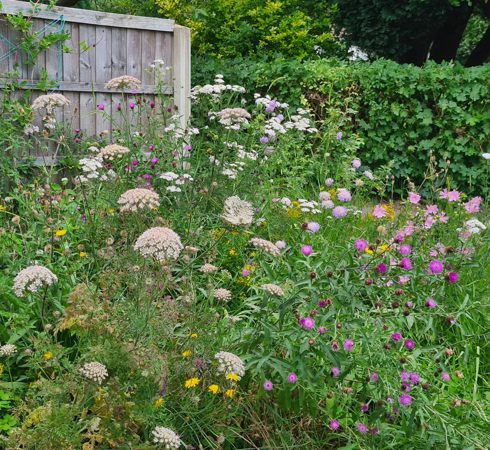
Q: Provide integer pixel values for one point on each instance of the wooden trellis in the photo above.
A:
(103, 46)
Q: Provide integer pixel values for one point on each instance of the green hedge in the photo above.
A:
(402, 113)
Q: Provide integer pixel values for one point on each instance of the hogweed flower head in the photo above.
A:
(223, 295)
(32, 279)
(112, 151)
(237, 211)
(94, 371)
(138, 199)
(123, 82)
(159, 243)
(208, 268)
(8, 350)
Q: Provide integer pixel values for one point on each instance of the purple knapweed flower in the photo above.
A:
(409, 344)
(132, 106)
(430, 303)
(436, 266)
(382, 268)
(362, 428)
(414, 378)
(334, 425)
(348, 345)
(405, 249)
(453, 277)
(373, 377)
(405, 400)
(445, 376)
(307, 323)
(396, 336)
(406, 263)
(335, 372)
(361, 245)
(268, 385)
(364, 408)
(322, 330)
(292, 378)
(101, 107)
(307, 250)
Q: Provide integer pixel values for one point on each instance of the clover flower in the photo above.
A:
(32, 279)
(138, 199)
(237, 212)
(159, 243)
(167, 437)
(123, 82)
(230, 363)
(8, 350)
(266, 246)
(94, 371)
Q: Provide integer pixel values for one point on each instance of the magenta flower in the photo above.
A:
(453, 277)
(414, 378)
(335, 372)
(409, 344)
(245, 272)
(348, 345)
(292, 378)
(307, 250)
(430, 303)
(406, 263)
(405, 400)
(473, 206)
(373, 377)
(101, 107)
(361, 245)
(334, 425)
(396, 336)
(431, 209)
(382, 268)
(450, 196)
(364, 408)
(339, 211)
(445, 376)
(307, 323)
(414, 198)
(322, 330)
(404, 376)
(131, 106)
(362, 428)
(436, 266)
(405, 249)
(268, 386)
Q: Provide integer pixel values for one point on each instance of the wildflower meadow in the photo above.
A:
(248, 281)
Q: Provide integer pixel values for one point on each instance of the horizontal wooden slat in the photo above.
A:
(89, 17)
(86, 86)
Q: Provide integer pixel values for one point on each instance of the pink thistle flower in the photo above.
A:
(405, 249)
(364, 408)
(409, 344)
(382, 268)
(348, 345)
(322, 330)
(373, 377)
(406, 264)
(307, 323)
(334, 425)
(445, 377)
(430, 303)
(268, 385)
(414, 198)
(292, 378)
(307, 250)
(436, 266)
(453, 277)
(396, 336)
(362, 428)
(405, 400)
(335, 372)
(361, 245)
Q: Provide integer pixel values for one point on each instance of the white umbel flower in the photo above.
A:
(8, 350)
(167, 437)
(266, 246)
(94, 371)
(273, 289)
(159, 243)
(223, 295)
(237, 211)
(123, 82)
(137, 199)
(230, 363)
(32, 279)
(208, 268)
(49, 102)
(111, 151)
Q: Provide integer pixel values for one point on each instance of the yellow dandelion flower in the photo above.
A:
(230, 393)
(192, 383)
(83, 254)
(232, 252)
(60, 233)
(232, 377)
(186, 354)
(193, 335)
(213, 388)
(48, 355)
(158, 402)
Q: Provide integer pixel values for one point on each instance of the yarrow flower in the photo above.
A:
(32, 279)
(159, 243)
(230, 363)
(237, 211)
(266, 246)
(167, 437)
(112, 151)
(138, 199)
(123, 82)
(223, 295)
(8, 350)
(94, 371)
(273, 290)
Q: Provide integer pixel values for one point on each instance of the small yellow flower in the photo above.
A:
(60, 233)
(193, 335)
(48, 355)
(2, 208)
(294, 212)
(232, 252)
(186, 354)
(111, 211)
(192, 382)
(230, 393)
(368, 251)
(383, 248)
(252, 254)
(296, 203)
(232, 376)
(213, 388)
(158, 402)
(83, 254)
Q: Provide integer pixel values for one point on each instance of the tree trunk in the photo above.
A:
(449, 35)
(481, 52)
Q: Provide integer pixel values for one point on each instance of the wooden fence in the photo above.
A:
(103, 46)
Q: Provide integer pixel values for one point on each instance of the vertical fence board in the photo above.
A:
(103, 72)
(71, 72)
(4, 48)
(87, 73)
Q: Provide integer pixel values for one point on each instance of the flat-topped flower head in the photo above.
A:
(138, 199)
(159, 243)
(8, 350)
(273, 290)
(49, 102)
(230, 363)
(112, 151)
(94, 371)
(123, 82)
(32, 279)
(237, 211)
(266, 246)
(223, 295)
(166, 437)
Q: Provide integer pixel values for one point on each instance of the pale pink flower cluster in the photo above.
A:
(137, 199)
(112, 151)
(49, 102)
(94, 371)
(8, 350)
(123, 82)
(230, 363)
(223, 295)
(159, 243)
(237, 211)
(208, 268)
(231, 118)
(215, 90)
(273, 289)
(168, 438)
(266, 246)
(32, 279)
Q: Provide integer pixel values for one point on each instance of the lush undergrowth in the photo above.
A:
(245, 283)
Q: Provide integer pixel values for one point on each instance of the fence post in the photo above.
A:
(181, 65)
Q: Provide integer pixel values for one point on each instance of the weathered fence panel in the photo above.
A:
(103, 46)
